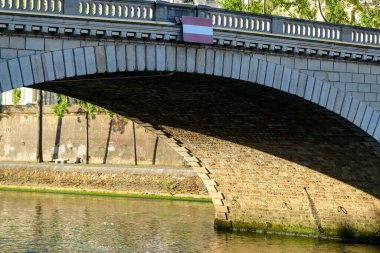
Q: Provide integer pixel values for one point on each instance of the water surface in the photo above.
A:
(37, 222)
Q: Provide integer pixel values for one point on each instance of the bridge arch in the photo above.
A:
(48, 68)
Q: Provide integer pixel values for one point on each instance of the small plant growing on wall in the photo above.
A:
(16, 96)
(60, 107)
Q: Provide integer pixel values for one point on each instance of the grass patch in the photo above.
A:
(105, 194)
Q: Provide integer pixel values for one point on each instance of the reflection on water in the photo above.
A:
(35, 222)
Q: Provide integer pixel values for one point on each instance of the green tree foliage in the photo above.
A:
(60, 107)
(354, 12)
(16, 96)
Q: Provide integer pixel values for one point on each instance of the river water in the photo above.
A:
(36, 222)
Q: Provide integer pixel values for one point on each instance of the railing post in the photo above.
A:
(277, 25)
(203, 11)
(70, 7)
(346, 34)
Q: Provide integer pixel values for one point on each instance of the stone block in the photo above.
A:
(302, 80)
(286, 78)
(300, 63)
(376, 133)
(190, 59)
(100, 57)
(346, 106)
(274, 59)
(370, 97)
(236, 66)
(4, 41)
(170, 58)
(375, 88)
(324, 94)
(364, 68)
(80, 62)
(35, 43)
(87, 43)
(327, 65)
(294, 82)
(352, 87)
(339, 101)
(71, 44)
(181, 59)
(8, 53)
(253, 69)
(352, 67)
(373, 122)
(150, 57)
(309, 87)
(59, 65)
(17, 42)
(218, 63)
(333, 77)
(278, 76)
(68, 58)
(360, 114)
(375, 69)
(366, 118)
(47, 62)
(358, 78)
(364, 87)
(37, 68)
(26, 70)
(53, 44)
(313, 64)
(353, 109)
(340, 66)
(321, 75)
(111, 58)
(316, 91)
(378, 79)
(370, 78)
(121, 57)
(244, 69)
(288, 62)
(89, 53)
(15, 73)
(5, 80)
(269, 76)
(21, 53)
(358, 95)
(346, 77)
(227, 64)
(131, 57)
(331, 98)
(210, 55)
(160, 57)
(261, 72)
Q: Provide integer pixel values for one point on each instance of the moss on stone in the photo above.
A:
(104, 193)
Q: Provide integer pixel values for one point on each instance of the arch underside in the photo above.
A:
(268, 152)
(271, 160)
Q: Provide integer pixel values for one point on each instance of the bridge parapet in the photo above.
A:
(222, 19)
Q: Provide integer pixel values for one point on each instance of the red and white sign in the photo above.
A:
(198, 30)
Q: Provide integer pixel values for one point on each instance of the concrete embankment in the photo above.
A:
(129, 181)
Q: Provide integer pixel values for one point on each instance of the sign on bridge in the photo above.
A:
(197, 30)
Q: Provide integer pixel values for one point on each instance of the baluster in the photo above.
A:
(113, 10)
(119, 10)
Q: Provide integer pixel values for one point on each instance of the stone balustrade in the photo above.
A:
(222, 19)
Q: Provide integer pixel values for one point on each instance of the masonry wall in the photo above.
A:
(67, 139)
(358, 78)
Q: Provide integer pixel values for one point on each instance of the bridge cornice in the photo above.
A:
(161, 20)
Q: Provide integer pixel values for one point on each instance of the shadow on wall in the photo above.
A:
(253, 116)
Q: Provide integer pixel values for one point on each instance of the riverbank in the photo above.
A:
(152, 182)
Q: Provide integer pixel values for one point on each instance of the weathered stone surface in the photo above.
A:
(80, 62)
(227, 64)
(131, 57)
(47, 62)
(151, 57)
(15, 73)
(190, 60)
(5, 80)
(26, 70)
(111, 58)
(59, 65)
(100, 57)
(68, 58)
(286, 79)
(37, 68)
(89, 53)
(160, 57)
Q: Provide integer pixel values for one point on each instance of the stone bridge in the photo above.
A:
(279, 117)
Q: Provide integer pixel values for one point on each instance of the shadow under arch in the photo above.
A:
(223, 111)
